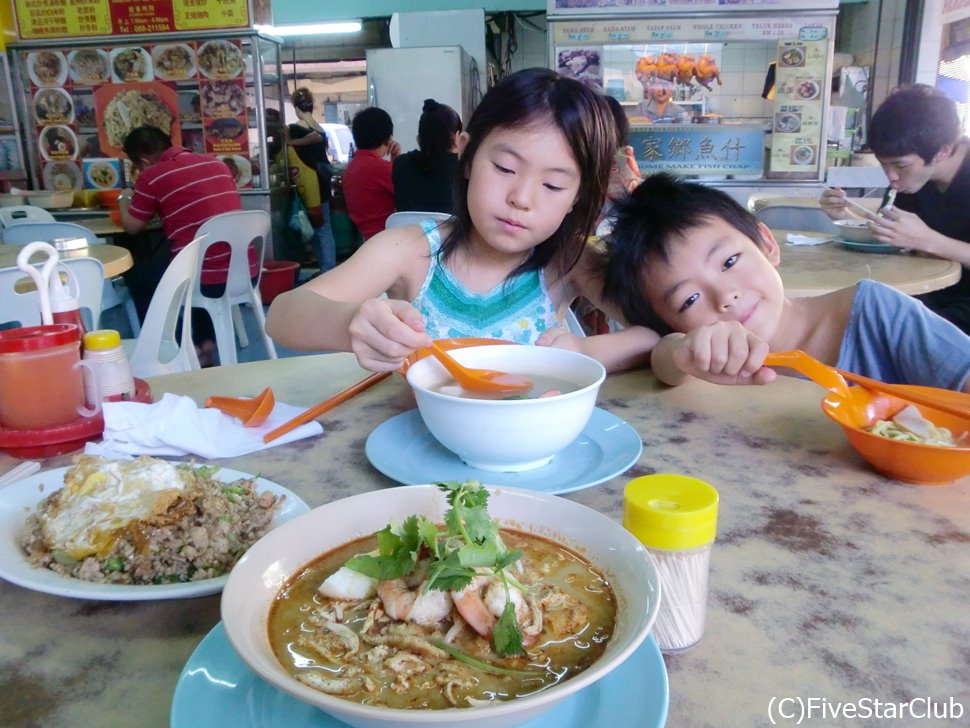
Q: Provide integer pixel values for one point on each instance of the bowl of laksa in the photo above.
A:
(443, 605)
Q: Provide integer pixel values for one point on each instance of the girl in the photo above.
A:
(424, 179)
(532, 178)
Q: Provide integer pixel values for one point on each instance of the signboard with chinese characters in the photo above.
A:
(797, 146)
(637, 30)
(701, 149)
(655, 7)
(39, 19)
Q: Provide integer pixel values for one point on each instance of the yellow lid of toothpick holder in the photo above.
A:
(672, 512)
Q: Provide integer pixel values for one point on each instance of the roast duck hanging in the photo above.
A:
(681, 68)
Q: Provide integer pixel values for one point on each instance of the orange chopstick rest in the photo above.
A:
(253, 411)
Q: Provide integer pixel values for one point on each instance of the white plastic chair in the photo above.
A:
(158, 349)
(24, 308)
(114, 293)
(411, 217)
(239, 229)
(24, 213)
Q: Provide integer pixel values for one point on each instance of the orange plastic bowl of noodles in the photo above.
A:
(911, 462)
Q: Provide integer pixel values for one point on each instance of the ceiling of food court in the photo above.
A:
(339, 46)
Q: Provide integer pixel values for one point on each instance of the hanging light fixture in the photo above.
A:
(341, 26)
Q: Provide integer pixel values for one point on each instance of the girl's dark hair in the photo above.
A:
(917, 119)
(436, 134)
(661, 208)
(303, 99)
(530, 98)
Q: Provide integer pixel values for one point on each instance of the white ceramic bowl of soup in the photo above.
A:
(271, 562)
(509, 435)
(855, 231)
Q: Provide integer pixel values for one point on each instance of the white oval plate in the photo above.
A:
(19, 500)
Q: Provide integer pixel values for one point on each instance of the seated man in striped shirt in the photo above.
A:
(184, 189)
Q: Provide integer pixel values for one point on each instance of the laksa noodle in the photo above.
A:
(431, 616)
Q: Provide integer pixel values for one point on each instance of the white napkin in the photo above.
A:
(793, 239)
(175, 425)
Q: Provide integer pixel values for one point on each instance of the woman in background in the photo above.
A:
(308, 139)
(424, 178)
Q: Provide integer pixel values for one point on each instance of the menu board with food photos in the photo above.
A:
(797, 147)
(85, 101)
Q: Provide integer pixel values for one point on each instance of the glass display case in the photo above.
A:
(13, 173)
(710, 95)
(208, 92)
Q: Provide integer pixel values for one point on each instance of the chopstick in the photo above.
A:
(327, 404)
(28, 467)
(937, 402)
(862, 208)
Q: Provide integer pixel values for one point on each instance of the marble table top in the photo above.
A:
(829, 582)
(811, 270)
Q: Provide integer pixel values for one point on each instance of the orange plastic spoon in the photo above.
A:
(480, 380)
(821, 374)
(253, 411)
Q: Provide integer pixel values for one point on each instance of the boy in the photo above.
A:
(367, 184)
(917, 138)
(706, 270)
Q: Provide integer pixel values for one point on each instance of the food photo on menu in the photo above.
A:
(120, 108)
(47, 68)
(53, 106)
(174, 61)
(89, 66)
(102, 174)
(220, 59)
(131, 64)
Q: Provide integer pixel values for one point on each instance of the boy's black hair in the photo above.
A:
(145, 141)
(622, 122)
(660, 209)
(917, 119)
(371, 128)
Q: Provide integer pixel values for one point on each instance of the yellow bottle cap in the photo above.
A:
(670, 511)
(102, 339)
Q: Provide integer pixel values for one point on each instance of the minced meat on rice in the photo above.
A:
(204, 529)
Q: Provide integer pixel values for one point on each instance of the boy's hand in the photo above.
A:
(903, 230)
(560, 339)
(833, 203)
(384, 332)
(723, 353)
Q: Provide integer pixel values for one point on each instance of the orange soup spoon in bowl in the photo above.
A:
(480, 380)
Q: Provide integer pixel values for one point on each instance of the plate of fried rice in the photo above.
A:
(143, 529)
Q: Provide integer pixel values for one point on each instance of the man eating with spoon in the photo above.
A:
(916, 136)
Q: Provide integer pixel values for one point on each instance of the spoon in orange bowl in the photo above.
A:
(823, 375)
(944, 400)
(480, 380)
